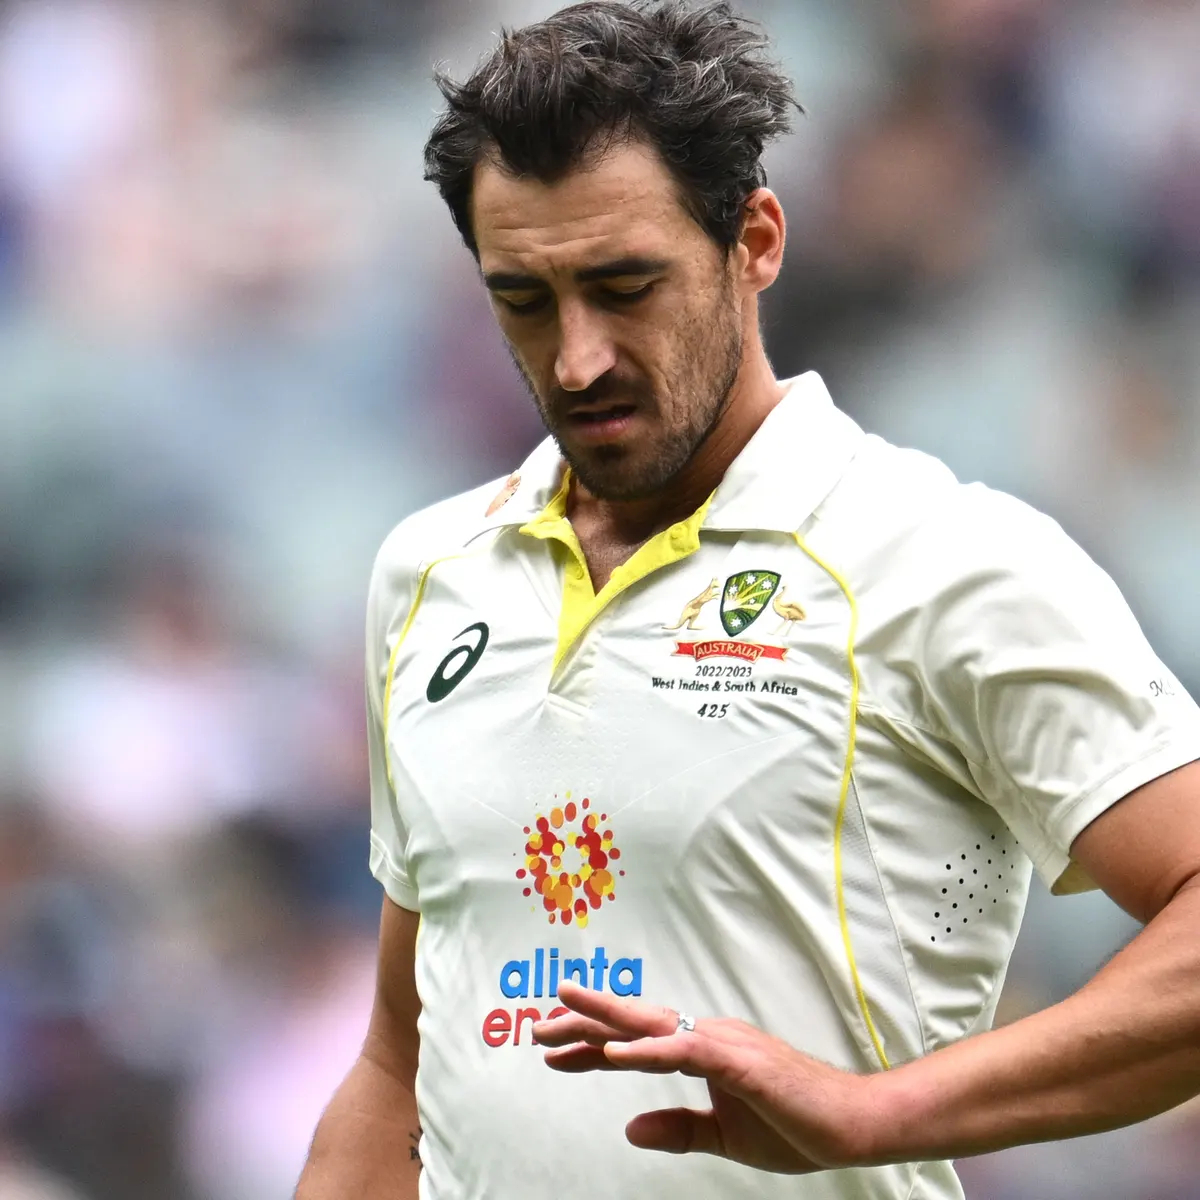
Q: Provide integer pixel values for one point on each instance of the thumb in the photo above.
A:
(676, 1131)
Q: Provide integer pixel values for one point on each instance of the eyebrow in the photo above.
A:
(503, 281)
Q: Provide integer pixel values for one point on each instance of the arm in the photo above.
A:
(366, 1143)
(1122, 1049)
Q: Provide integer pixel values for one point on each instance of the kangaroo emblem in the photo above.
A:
(691, 610)
(789, 611)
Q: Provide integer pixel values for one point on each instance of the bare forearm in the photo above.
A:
(1124, 1048)
(366, 1143)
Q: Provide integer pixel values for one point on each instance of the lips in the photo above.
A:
(598, 414)
(602, 423)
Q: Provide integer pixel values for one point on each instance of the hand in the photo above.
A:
(773, 1108)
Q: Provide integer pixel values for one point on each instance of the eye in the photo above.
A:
(523, 307)
(628, 295)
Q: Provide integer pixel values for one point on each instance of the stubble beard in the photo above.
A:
(702, 389)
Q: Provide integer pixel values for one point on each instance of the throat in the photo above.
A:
(604, 554)
(611, 533)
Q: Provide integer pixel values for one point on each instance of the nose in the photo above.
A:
(585, 351)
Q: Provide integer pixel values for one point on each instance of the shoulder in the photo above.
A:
(957, 575)
(439, 531)
(902, 518)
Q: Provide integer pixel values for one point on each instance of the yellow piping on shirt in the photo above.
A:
(391, 671)
(843, 798)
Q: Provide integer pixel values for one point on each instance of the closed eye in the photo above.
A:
(628, 295)
(527, 303)
(524, 307)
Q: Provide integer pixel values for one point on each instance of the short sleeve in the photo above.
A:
(1044, 681)
(389, 837)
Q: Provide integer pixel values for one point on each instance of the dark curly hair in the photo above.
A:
(694, 81)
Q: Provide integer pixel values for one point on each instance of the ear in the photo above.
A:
(759, 252)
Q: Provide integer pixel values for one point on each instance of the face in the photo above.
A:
(620, 312)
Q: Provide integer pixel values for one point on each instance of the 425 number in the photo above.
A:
(714, 712)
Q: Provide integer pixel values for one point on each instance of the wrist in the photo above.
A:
(893, 1112)
(865, 1118)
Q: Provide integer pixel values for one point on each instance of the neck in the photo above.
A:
(755, 392)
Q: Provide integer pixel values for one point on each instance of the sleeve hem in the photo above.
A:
(1054, 864)
(395, 882)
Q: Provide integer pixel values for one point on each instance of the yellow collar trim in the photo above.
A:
(581, 605)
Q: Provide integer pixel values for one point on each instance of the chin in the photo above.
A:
(621, 486)
(607, 485)
(615, 473)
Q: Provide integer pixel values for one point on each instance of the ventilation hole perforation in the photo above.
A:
(974, 881)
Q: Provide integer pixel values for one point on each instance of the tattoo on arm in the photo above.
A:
(414, 1151)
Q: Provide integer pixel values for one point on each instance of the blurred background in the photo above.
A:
(239, 341)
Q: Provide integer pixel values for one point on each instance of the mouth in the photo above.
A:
(602, 423)
(600, 414)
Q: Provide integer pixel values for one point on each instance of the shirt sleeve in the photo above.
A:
(389, 836)
(1045, 682)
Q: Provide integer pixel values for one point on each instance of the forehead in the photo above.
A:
(625, 203)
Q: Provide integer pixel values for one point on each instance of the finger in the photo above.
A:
(688, 1053)
(581, 1056)
(574, 1060)
(677, 1131)
(634, 1017)
(689, 1131)
(572, 1027)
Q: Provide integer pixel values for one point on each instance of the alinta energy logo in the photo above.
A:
(570, 864)
(571, 869)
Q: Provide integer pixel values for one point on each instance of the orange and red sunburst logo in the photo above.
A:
(567, 895)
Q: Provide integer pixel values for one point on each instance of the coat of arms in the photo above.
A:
(744, 598)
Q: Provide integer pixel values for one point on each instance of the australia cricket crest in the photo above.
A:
(744, 598)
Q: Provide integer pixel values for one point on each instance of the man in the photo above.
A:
(719, 706)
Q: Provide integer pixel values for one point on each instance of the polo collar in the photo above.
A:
(793, 461)
(529, 490)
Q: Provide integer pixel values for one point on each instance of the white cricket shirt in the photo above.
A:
(791, 765)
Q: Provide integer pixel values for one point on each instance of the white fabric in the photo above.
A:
(1007, 697)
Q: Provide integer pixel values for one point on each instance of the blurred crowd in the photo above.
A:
(239, 341)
